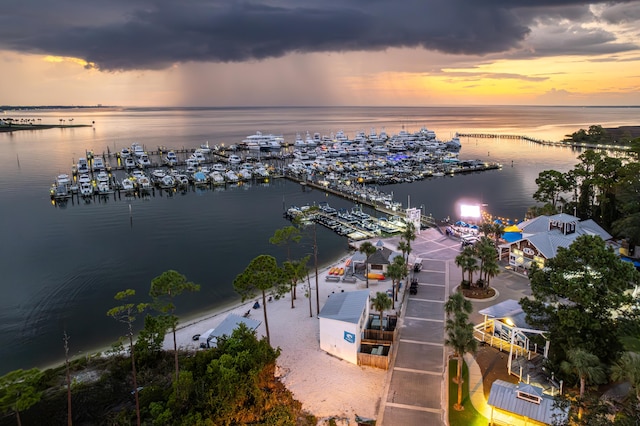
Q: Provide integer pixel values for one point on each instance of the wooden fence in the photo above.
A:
(374, 360)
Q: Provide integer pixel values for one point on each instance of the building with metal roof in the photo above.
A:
(523, 404)
(542, 236)
(342, 319)
(226, 327)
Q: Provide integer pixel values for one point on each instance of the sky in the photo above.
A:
(319, 52)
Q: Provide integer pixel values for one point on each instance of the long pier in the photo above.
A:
(545, 142)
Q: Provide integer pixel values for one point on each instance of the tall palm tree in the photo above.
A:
(404, 248)
(486, 252)
(491, 269)
(381, 303)
(467, 261)
(587, 367)
(459, 334)
(408, 235)
(396, 271)
(368, 249)
(497, 231)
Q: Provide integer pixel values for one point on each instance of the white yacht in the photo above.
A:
(97, 164)
(129, 163)
(125, 152)
(171, 159)
(137, 149)
(234, 159)
(86, 189)
(199, 157)
(63, 180)
(83, 165)
(143, 160)
(204, 148)
(216, 177)
(128, 185)
(260, 141)
(231, 176)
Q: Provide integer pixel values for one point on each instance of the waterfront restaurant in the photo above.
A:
(543, 235)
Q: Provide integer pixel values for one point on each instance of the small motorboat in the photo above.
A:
(128, 185)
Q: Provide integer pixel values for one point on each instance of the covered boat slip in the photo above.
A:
(210, 337)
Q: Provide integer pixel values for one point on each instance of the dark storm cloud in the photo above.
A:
(153, 34)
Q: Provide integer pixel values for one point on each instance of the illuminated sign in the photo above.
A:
(469, 211)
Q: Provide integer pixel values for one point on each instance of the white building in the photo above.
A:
(342, 320)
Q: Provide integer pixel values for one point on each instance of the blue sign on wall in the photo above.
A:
(349, 337)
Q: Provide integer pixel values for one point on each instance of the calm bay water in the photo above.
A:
(61, 267)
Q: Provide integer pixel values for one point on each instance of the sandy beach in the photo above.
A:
(325, 385)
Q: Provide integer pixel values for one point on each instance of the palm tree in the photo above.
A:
(381, 303)
(486, 252)
(396, 271)
(408, 235)
(467, 261)
(628, 368)
(498, 230)
(404, 248)
(587, 367)
(491, 269)
(459, 334)
(368, 249)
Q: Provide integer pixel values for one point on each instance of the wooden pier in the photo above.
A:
(545, 142)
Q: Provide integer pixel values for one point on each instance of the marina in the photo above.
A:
(63, 263)
(348, 168)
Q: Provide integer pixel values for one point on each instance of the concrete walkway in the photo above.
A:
(476, 392)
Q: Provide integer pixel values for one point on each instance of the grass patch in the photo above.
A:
(469, 416)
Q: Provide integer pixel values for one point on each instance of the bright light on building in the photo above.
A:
(469, 211)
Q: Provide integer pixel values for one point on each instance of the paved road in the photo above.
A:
(416, 388)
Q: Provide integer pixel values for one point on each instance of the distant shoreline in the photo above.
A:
(14, 128)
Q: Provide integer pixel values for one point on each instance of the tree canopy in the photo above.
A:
(578, 296)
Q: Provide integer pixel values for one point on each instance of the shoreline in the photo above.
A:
(200, 317)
